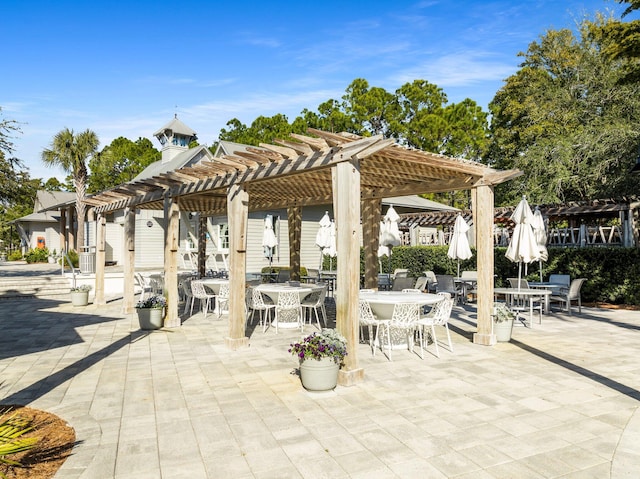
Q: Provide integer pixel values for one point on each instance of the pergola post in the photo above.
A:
(238, 217)
(371, 212)
(171, 242)
(346, 208)
(101, 226)
(202, 245)
(63, 230)
(71, 231)
(484, 247)
(129, 259)
(294, 219)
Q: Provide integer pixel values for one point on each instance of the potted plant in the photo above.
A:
(151, 311)
(503, 318)
(80, 295)
(320, 354)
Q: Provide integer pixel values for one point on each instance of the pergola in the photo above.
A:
(352, 172)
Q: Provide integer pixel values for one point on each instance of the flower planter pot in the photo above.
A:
(503, 330)
(150, 318)
(79, 298)
(319, 374)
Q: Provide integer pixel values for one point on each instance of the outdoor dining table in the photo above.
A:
(530, 293)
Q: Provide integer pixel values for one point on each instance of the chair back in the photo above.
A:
(288, 306)
(403, 282)
(431, 280)
(400, 273)
(284, 275)
(366, 315)
(405, 313)
(224, 292)
(384, 281)
(313, 274)
(445, 284)
(198, 290)
(442, 311)
(563, 279)
(469, 275)
(521, 283)
(421, 283)
(574, 289)
(186, 287)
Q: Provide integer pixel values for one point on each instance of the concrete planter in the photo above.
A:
(79, 298)
(150, 318)
(319, 375)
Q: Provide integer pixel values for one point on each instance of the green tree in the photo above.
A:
(71, 152)
(120, 162)
(623, 42)
(565, 120)
(263, 129)
(7, 129)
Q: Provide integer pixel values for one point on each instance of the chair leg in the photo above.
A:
(420, 338)
(435, 340)
(449, 337)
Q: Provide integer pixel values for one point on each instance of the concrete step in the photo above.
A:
(39, 286)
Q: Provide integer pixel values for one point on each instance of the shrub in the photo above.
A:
(15, 255)
(38, 255)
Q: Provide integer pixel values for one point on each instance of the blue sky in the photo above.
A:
(124, 68)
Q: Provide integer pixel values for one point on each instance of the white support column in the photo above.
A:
(101, 223)
(346, 208)
(129, 260)
(238, 216)
(484, 247)
(171, 243)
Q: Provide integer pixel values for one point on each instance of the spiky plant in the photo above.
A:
(12, 427)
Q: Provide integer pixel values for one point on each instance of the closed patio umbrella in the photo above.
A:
(269, 240)
(323, 236)
(331, 250)
(523, 247)
(459, 245)
(540, 232)
(390, 237)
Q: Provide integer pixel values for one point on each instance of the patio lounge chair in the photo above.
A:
(567, 295)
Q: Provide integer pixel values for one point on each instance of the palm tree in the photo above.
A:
(70, 152)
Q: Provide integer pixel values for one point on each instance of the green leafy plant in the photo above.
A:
(37, 255)
(326, 344)
(82, 287)
(502, 313)
(11, 429)
(152, 302)
(15, 255)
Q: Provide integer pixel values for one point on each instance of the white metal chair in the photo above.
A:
(256, 302)
(288, 309)
(403, 320)
(313, 302)
(567, 295)
(188, 294)
(200, 293)
(431, 281)
(368, 319)
(222, 298)
(438, 316)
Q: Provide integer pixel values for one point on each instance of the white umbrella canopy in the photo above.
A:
(269, 240)
(390, 233)
(331, 249)
(523, 247)
(323, 236)
(540, 232)
(459, 245)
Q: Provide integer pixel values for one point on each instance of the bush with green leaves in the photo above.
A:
(37, 255)
(15, 255)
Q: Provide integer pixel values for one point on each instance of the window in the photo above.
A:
(223, 237)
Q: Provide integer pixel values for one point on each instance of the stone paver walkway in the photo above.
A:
(559, 401)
